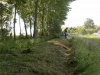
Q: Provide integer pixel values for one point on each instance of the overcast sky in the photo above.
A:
(82, 9)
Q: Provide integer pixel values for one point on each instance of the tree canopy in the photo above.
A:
(43, 16)
(89, 23)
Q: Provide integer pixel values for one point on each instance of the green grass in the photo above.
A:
(87, 54)
(19, 44)
(40, 57)
(32, 58)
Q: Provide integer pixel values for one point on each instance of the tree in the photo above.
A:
(81, 30)
(20, 26)
(53, 15)
(14, 23)
(89, 23)
(35, 22)
(46, 15)
(5, 16)
(15, 4)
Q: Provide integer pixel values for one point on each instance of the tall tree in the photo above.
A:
(35, 22)
(1, 9)
(89, 23)
(20, 27)
(30, 26)
(25, 28)
(14, 23)
(48, 15)
(15, 4)
(5, 16)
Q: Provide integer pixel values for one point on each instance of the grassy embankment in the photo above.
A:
(87, 54)
(36, 58)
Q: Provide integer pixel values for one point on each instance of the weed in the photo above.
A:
(31, 57)
(87, 55)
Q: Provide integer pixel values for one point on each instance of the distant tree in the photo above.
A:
(72, 30)
(98, 28)
(81, 30)
(89, 23)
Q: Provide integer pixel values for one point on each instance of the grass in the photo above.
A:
(87, 53)
(33, 58)
(41, 57)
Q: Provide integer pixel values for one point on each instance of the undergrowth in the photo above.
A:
(87, 54)
(32, 58)
(7, 45)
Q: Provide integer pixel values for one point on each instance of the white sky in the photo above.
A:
(82, 9)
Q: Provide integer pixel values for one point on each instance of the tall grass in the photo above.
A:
(45, 58)
(7, 45)
(87, 54)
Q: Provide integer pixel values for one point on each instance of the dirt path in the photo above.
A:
(65, 47)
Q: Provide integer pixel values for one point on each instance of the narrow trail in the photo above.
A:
(67, 50)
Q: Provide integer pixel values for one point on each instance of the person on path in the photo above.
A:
(65, 32)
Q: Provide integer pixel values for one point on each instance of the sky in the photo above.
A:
(82, 9)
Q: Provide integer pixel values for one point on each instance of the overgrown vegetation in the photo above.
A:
(25, 55)
(87, 54)
(39, 57)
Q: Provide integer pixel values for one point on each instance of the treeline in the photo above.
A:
(88, 28)
(44, 17)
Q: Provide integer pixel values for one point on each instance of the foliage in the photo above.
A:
(38, 14)
(5, 33)
(89, 23)
(83, 31)
(98, 29)
(19, 44)
(5, 17)
(72, 29)
(90, 31)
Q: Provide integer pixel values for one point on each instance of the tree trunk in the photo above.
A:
(43, 29)
(25, 29)
(35, 22)
(20, 26)
(30, 26)
(14, 24)
(1, 20)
